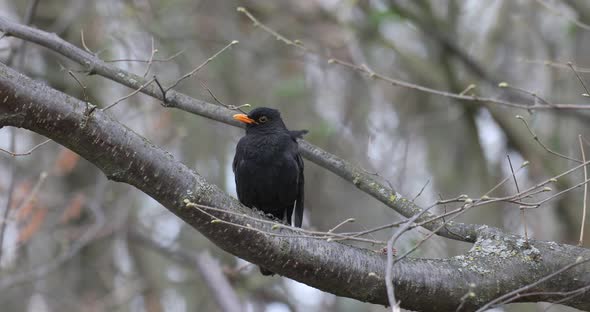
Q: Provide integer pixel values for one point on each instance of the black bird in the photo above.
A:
(267, 166)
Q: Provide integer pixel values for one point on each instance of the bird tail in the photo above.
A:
(297, 134)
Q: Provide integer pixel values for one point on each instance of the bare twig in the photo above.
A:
(285, 40)
(349, 220)
(389, 266)
(421, 190)
(211, 93)
(487, 194)
(130, 94)
(329, 236)
(164, 99)
(81, 85)
(473, 98)
(154, 60)
(536, 98)
(151, 59)
(230, 107)
(192, 72)
(559, 65)
(84, 42)
(469, 88)
(570, 65)
(536, 138)
(373, 230)
(507, 297)
(569, 295)
(522, 214)
(13, 154)
(581, 241)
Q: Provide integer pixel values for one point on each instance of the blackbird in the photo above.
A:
(268, 168)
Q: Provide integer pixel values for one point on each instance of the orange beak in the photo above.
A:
(244, 118)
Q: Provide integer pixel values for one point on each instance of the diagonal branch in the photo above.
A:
(357, 176)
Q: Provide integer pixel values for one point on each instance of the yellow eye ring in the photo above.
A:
(263, 119)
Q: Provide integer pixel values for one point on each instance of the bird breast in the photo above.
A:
(265, 149)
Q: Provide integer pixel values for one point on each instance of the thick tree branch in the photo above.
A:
(365, 182)
(498, 263)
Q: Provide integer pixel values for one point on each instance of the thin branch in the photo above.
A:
(389, 265)
(130, 94)
(473, 98)
(469, 88)
(349, 220)
(155, 60)
(560, 65)
(81, 85)
(13, 154)
(522, 214)
(536, 138)
(569, 296)
(230, 107)
(151, 59)
(536, 98)
(327, 236)
(495, 187)
(505, 298)
(421, 190)
(192, 72)
(84, 42)
(581, 241)
(587, 94)
(296, 43)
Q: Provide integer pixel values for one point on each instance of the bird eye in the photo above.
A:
(263, 119)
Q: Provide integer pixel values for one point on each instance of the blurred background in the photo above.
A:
(70, 238)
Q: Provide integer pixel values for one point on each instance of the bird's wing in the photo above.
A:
(298, 217)
(241, 188)
(234, 163)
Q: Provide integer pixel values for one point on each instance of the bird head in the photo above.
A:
(261, 120)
